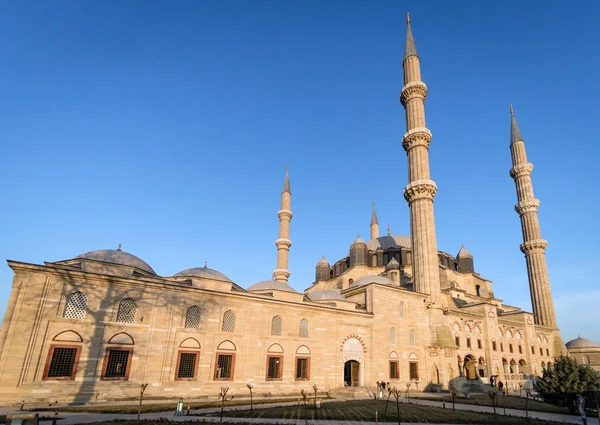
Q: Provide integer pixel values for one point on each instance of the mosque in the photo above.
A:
(396, 309)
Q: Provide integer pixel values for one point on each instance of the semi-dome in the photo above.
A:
(327, 294)
(272, 285)
(581, 343)
(388, 242)
(372, 279)
(117, 256)
(203, 272)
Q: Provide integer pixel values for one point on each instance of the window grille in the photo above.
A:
(411, 338)
(127, 310)
(402, 310)
(303, 328)
(228, 321)
(193, 316)
(301, 368)
(394, 370)
(76, 306)
(224, 366)
(117, 364)
(413, 371)
(392, 336)
(187, 365)
(276, 325)
(274, 368)
(63, 360)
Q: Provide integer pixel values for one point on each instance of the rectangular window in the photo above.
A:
(468, 342)
(274, 367)
(520, 350)
(413, 370)
(479, 344)
(116, 364)
(302, 368)
(541, 352)
(510, 348)
(532, 349)
(224, 367)
(457, 340)
(394, 369)
(62, 363)
(494, 345)
(502, 347)
(186, 365)
(547, 352)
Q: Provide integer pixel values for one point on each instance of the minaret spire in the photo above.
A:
(374, 223)
(420, 191)
(533, 245)
(284, 243)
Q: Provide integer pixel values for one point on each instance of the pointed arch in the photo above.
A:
(304, 350)
(76, 306)
(392, 336)
(402, 309)
(127, 311)
(228, 321)
(193, 316)
(190, 343)
(276, 325)
(68, 336)
(121, 338)
(275, 348)
(303, 328)
(411, 338)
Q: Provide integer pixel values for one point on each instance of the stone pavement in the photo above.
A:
(86, 418)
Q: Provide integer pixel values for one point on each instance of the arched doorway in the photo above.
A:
(481, 367)
(470, 367)
(352, 355)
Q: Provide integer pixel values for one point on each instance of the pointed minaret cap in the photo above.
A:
(286, 183)
(464, 253)
(323, 261)
(393, 265)
(409, 48)
(374, 215)
(515, 134)
(357, 241)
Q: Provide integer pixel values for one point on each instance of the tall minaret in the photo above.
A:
(421, 189)
(374, 224)
(533, 245)
(283, 244)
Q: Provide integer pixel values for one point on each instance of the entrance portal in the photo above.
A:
(470, 367)
(351, 373)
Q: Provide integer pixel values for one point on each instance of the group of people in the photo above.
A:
(381, 388)
(494, 382)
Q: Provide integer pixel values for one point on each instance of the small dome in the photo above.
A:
(387, 242)
(327, 294)
(463, 253)
(358, 241)
(323, 262)
(393, 265)
(271, 284)
(205, 273)
(372, 279)
(581, 343)
(116, 256)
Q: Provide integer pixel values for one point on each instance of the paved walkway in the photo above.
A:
(86, 418)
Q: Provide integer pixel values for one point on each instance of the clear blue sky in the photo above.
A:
(166, 126)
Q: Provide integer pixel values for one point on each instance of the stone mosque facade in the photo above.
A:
(395, 309)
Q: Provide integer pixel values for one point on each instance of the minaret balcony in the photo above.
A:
(420, 136)
(534, 246)
(413, 89)
(520, 170)
(529, 205)
(420, 189)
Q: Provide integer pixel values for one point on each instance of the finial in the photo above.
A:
(512, 111)
(119, 248)
(462, 245)
(287, 169)
(206, 264)
(389, 230)
(358, 236)
(373, 204)
(407, 17)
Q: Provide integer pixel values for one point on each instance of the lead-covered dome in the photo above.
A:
(581, 343)
(204, 273)
(271, 285)
(372, 279)
(117, 256)
(327, 295)
(388, 242)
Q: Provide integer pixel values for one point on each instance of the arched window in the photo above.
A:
(402, 310)
(478, 290)
(413, 367)
(508, 333)
(303, 328)
(127, 311)
(394, 365)
(187, 360)
(411, 338)
(225, 361)
(522, 365)
(276, 325)
(468, 341)
(392, 336)
(192, 317)
(63, 357)
(274, 362)
(302, 372)
(505, 366)
(228, 321)
(118, 356)
(76, 306)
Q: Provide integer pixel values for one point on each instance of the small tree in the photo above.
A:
(397, 394)
(452, 389)
(223, 397)
(527, 394)
(493, 394)
(561, 382)
(304, 395)
(250, 386)
(407, 388)
(389, 389)
(316, 390)
(142, 390)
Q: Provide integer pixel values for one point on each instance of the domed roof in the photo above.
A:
(581, 343)
(323, 262)
(358, 241)
(387, 242)
(271, 284)
(393, 265)
(464, 253)
(203, 272)
(327, 294)
(372, 279)
(116, 256)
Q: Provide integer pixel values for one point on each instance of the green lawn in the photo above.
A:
(364, 410)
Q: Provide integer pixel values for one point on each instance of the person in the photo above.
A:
(492, 380)
(500, 385)
(382, 390)
(580, 404)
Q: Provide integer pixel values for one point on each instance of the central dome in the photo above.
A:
(116, 256)
(388, 242)
(581, 343)
(271, 285)
(203, 272)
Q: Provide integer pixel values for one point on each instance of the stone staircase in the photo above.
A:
(352, 392)
(475, 386)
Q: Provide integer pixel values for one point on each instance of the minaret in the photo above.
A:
(374, 224)
(283, 244)
(421, 189)
(533, 245)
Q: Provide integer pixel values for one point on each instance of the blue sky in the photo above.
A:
(167, 126)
